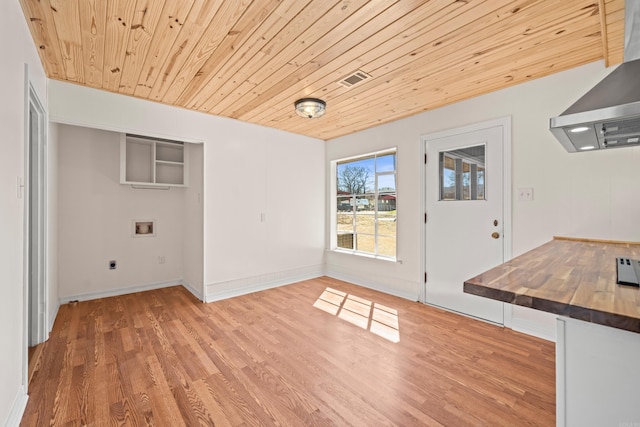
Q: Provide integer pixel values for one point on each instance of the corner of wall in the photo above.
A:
(237, 287)
(52, 315)
(401, 288)
(193, 290)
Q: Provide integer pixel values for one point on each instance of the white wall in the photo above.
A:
(263, 216)
(265, 213)
(17, 49)
(95, 222)
(591, 195)
(193, 230)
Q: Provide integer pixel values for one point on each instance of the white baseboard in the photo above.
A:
(400, 288)
(196, 293)
(234, 288)
(17, 409)
(121, 291)
(528, 321)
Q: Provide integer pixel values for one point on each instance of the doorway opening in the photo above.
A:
(35, 232)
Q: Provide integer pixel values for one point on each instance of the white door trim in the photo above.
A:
(37, 319)
(505, 123)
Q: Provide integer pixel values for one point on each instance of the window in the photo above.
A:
(462, 174)
(366, 204)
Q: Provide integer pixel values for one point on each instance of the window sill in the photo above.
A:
(364, 255)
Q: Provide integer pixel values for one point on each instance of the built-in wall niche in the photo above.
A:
(152, 162)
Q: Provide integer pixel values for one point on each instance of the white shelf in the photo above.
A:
(169, 152)
(169, 174)
(152, 162)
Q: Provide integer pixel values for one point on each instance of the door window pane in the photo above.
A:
(447, 178)
(462, 174)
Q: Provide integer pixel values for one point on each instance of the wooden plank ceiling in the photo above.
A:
(250, 60)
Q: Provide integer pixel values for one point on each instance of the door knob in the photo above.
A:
(495, 235)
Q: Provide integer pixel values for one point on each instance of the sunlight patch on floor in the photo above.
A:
(374, 317)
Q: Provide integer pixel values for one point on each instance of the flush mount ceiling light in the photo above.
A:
(310, 107)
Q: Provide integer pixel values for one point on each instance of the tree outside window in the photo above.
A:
(366, 200)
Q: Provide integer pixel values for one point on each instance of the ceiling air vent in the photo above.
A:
(354, 79)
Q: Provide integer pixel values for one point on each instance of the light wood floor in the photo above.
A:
(319, 352)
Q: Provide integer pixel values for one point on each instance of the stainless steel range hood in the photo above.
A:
(608, 116)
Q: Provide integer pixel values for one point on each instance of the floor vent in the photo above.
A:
(354, 79)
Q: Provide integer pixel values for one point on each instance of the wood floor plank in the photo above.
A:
(278, 357)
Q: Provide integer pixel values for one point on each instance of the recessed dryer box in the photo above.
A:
(144, 228)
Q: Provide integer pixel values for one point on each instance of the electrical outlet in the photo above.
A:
(162, 259)
(525, 194)
(112, 264)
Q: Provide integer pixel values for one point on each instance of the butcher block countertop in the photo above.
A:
(571, 277)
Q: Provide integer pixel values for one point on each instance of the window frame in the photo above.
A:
(376, 201)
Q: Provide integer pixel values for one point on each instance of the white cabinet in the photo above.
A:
(152, 162)
(597, 375)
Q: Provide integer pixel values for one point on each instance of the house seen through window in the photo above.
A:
(366, 204)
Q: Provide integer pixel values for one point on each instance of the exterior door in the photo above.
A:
(465, 217)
